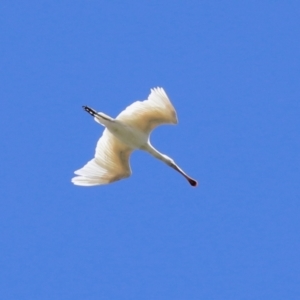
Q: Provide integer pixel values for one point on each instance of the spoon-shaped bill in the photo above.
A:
(191, 181)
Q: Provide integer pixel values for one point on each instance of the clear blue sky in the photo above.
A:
(232, 71)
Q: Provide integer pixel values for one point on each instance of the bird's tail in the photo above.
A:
(99, 117)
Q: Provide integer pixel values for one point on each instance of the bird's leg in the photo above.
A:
(90, 110)
(99, 116)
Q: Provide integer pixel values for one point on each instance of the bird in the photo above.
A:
(129, 131)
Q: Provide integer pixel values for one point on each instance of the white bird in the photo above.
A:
(129, 131)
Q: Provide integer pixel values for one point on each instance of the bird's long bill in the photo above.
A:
(189, 179)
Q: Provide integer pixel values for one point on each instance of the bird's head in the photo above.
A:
(168, 160)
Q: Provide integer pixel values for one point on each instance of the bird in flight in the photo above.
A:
(129, 131)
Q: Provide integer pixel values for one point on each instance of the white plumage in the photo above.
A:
(129, 131)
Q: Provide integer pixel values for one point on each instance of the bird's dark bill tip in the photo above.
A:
(193, 182)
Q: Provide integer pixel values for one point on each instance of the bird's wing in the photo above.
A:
(148, 114)
(111, 163)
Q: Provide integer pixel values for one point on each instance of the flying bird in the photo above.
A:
(129, 131)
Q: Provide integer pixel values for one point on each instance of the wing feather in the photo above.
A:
(111, 163)
(148, 114)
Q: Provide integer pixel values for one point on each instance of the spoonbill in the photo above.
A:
(129, 131)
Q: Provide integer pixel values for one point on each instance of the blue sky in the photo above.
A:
(232, 71)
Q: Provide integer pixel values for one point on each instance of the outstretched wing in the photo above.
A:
(111, 163)
(148, 114)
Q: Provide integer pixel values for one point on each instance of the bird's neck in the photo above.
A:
(149, 148)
